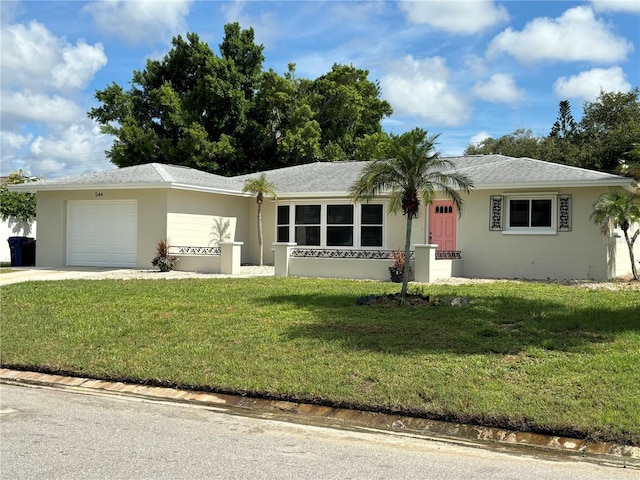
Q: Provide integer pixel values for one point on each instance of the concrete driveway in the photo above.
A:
(26, 274)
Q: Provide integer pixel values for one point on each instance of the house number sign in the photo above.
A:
(99, 195)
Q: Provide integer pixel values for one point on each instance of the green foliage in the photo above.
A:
(260, 186)
(412, 172)
(521, 143)
(17, 205)
(347, 106)
(565, 126)
(609, 128)
(605, 139)
(224, 114)
(189, 108)
(371, 146)
(548, 358)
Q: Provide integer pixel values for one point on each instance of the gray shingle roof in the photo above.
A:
(328, 178)
(486, 171)
(141, 176)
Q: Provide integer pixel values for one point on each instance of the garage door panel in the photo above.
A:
(102, 233)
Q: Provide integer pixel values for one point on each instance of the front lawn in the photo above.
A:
(528, 356)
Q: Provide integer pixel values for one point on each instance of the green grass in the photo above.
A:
(529, 356)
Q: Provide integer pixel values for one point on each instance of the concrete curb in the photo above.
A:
(471, 435)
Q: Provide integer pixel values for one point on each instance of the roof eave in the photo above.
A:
(26, 188)
(312, 194)
(615, 182)
(198, 188)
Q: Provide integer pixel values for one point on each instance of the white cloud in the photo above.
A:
(34, 58)
(587, 85)
(140, 21)
(475, 63)
(574, 36)
(422, 88)
(458, 17)
(12, 140)
(630, 6)
(500, 88)
(80, 63)
(479, 138)
(76, 149)
(25, 106)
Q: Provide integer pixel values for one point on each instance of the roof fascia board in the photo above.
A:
(24, 187)
(196, 188)
(312, 194)
(520, 186)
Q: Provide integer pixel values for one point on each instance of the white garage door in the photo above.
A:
(102, 233)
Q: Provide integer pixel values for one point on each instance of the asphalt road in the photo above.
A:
(58, 434)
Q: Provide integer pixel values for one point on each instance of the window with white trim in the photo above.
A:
(371, 225)
(339, 225)
(333, 225)
(282, 222)
(307, 224)
(530, 214)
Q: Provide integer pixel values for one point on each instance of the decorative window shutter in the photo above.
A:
(564, 213)
(495, 212)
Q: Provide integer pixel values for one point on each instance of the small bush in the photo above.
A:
(163, 260)
(397, 269)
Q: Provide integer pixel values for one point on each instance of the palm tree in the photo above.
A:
(622, 209)
(260, 187)
(412, 172)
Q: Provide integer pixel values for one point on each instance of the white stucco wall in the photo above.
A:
(51, 248)
(198, 219)
(579, 254)
(619, 261)
(188, 218)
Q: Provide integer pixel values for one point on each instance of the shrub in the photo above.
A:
(397, 269)
(163, 260)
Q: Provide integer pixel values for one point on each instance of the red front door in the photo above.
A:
(443, 224)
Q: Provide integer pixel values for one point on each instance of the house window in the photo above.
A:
(307, 225)
(283, 223)
(530, 215)
(331, 225)
(340, 225)
(371, 225)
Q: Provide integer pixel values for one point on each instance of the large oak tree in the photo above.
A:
(224, 114)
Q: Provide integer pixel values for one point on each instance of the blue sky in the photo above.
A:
(463, 69)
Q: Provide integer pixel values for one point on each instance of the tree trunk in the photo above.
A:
(630, 243)
(260, 241)
(407, 253)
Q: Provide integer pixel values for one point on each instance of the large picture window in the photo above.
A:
(331, 225)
